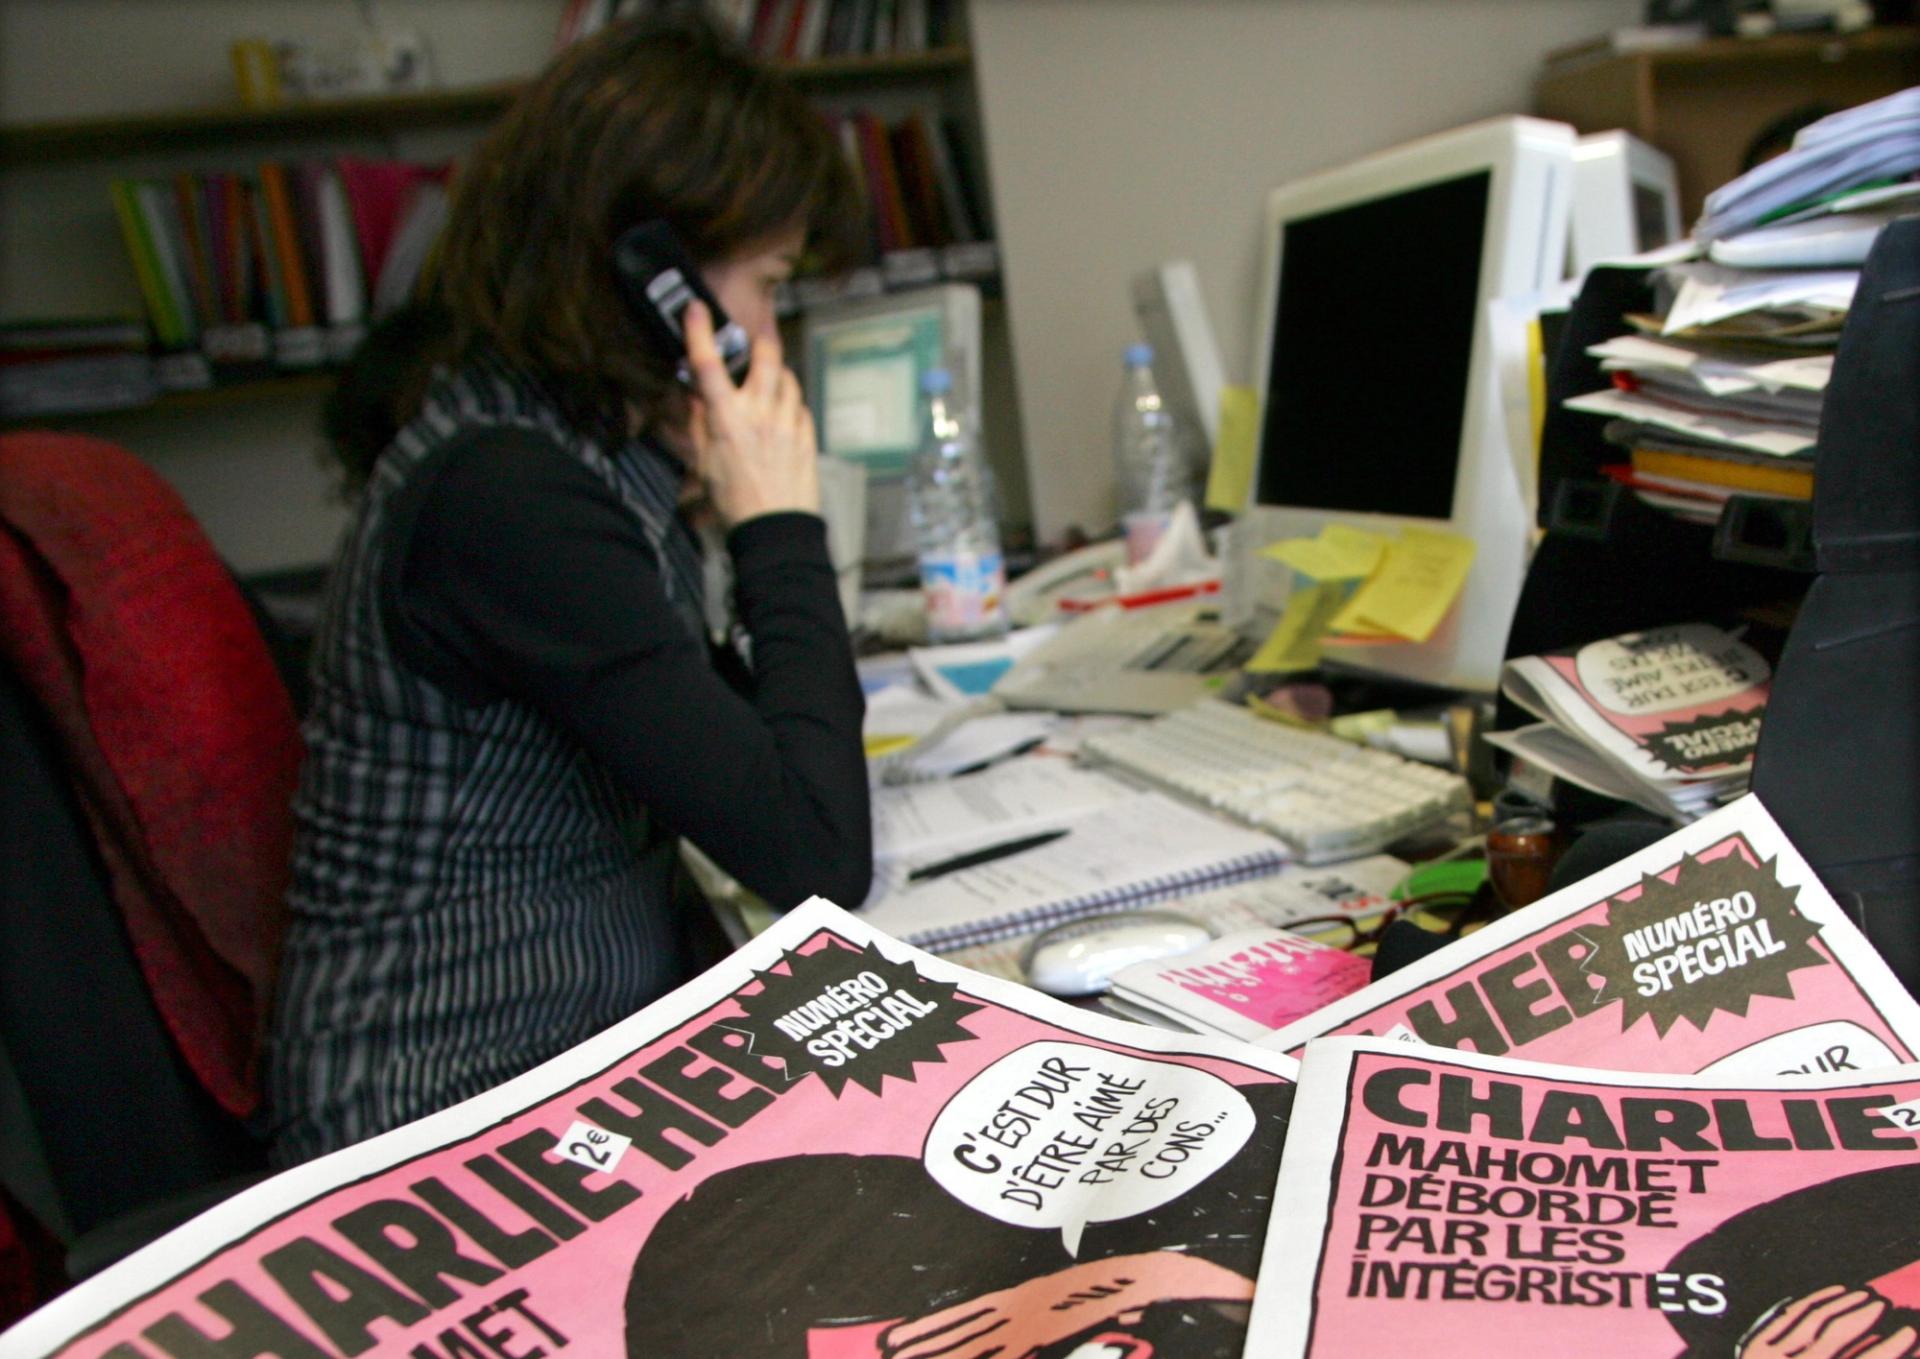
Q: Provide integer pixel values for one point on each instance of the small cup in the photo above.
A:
(1521, 853)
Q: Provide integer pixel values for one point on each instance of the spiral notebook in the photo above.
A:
(1143, 849)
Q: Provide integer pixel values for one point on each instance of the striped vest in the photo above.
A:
(471, 893)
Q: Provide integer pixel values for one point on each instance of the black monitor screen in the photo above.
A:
(1372, 339)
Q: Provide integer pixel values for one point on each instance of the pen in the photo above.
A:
(974, 857)
(1023, 748)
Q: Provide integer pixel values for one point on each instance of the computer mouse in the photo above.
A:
(1080, 960)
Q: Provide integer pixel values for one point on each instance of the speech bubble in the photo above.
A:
(1832, 1045)
(1062, 1134)
(1657, 671)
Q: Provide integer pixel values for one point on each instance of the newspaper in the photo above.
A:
(1433, 1200)
(1676, 708)
(828, 1145)
(1715, 949)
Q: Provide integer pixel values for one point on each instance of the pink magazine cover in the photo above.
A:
(1246, 984)
(1673, 703)
(1715, 949)
(1446, 1204)
(828, 1145)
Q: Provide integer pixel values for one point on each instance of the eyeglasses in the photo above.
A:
(1443, 913)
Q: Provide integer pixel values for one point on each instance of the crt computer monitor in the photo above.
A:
(863, 361)
(1376, 377)
(1626, 200)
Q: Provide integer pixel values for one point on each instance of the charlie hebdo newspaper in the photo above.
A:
(1432, 1199)
(1715, 950)
(829, 1146)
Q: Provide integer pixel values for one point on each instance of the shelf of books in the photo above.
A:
(82, 138)
(256, 271)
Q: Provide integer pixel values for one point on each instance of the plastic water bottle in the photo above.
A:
(963, 577)
(1149, 456)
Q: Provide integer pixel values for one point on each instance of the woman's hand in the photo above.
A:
(753, 445)
(1829, 1323)
(1017, 1322)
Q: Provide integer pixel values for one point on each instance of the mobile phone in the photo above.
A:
(658, 278)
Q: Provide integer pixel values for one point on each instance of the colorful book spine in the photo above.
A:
(146, 264)
(283, 240)
(162, 230)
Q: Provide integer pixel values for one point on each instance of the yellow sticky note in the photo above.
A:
(1420, 576)
(1339, 553)
(1294, 643)
(1230, 476)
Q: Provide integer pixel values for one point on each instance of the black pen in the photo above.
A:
(992, 760)
(974, 857)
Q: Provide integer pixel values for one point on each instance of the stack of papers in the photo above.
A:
(1667, 719)
(1858, 148)
(1720, 393)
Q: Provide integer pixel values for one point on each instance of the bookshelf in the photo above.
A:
(82, 138)
(67, 257)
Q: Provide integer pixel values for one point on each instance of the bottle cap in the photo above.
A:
(1139, 355)
(935, 381)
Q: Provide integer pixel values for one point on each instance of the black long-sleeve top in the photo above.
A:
(521, 575)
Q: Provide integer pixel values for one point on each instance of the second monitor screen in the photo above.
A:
(1372, 340)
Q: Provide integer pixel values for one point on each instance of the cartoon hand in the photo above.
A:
(1829, 1323)
(754, 445)
(1018, 1322)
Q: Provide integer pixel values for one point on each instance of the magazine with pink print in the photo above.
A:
(1431, 1201)
(1715, 948)
(1670, 706)
(830, 1144)
(1245, 985)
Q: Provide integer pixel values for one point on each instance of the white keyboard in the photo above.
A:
(1326, 797)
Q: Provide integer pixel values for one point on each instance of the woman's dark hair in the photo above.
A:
(658, 117)
(381, 388)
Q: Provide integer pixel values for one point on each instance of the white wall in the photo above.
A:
(1123, 132)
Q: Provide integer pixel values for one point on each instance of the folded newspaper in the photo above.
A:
(1431, 1200)
(828, 1145)
(834, 1146)
(1668, 718)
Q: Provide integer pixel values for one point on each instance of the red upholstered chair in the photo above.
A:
(150, 750)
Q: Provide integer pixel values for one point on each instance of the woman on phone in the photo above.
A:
(524, 691)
